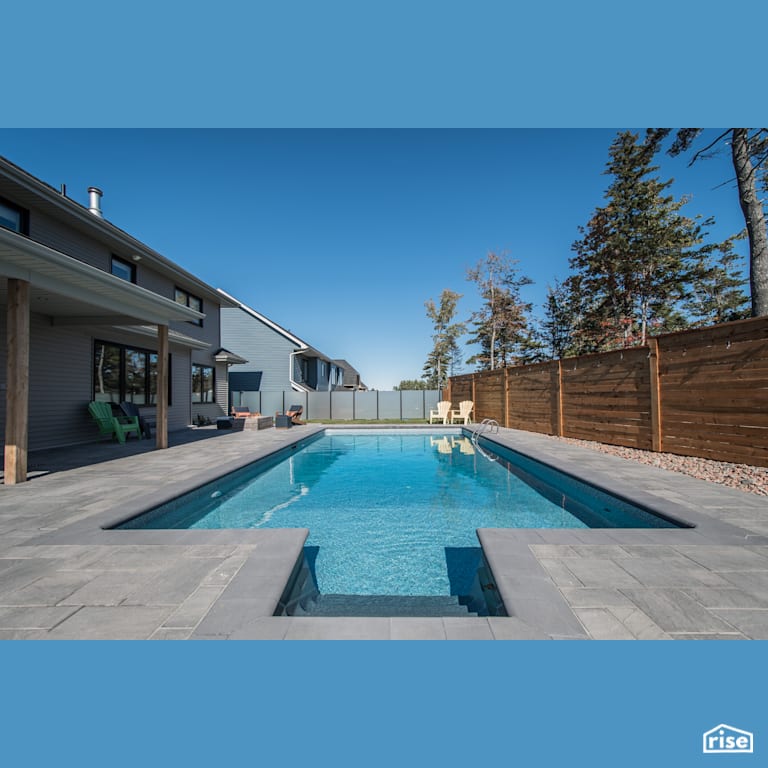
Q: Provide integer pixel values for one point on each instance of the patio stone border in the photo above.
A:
(63, 575)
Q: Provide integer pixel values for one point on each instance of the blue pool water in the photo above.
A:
(395, 512)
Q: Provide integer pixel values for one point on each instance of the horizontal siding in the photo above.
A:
(61, 384)
(67, 239)
(265, 349)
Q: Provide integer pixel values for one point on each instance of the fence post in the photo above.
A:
(474, 396)
(506, 397)
(657, 442)
(556, 398)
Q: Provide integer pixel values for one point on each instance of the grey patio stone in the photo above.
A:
(274, 628)
(174, 584)
(559, 572)
(754, 582)
(654, 552)
(21, 634)
(513, 628)
(675, 611)
(228, 614)
(36, 617)
(753, 623)
(594, 597)
(549, 616)
(48, 590)
(671, 573)
(191, 612)
(321, 628)
(594, 572)
(602, 624)
(223, 573)
(121, 623)
(726, 558)
(715, 597)
(552, 551)
(171, 633)
(603, 551)
(416, 628)
(107, 588)
(23, 573)
(709, 636)
(638, 623)
(459, 628)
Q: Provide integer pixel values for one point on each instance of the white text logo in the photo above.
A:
(725, 739)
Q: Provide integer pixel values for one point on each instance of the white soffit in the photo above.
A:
(43, 267)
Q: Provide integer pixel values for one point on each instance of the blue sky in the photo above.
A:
(342, 235)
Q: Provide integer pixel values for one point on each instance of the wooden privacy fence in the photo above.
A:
(695, 393)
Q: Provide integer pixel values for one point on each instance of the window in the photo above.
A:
(14, 218)
(124, 270)
(203, 384)
(188, 300)
(122, 373)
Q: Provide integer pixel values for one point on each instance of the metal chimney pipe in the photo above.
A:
(95, 201)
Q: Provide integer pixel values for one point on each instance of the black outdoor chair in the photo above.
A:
(131, 410)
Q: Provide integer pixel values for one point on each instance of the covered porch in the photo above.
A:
(63, 292)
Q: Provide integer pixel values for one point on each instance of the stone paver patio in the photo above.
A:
(63, 576)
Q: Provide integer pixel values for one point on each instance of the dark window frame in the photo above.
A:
(122, 373)
(123, 263)
(181, 292)
(23, 217)
(202, 367)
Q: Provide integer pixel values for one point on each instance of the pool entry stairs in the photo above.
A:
(385, 605)
(302, 598)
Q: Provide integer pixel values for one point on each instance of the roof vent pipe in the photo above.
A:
(94, 205)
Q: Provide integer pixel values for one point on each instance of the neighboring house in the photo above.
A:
(91, 313)
(277, 359)
(351, 376)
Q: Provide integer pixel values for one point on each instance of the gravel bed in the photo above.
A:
(743, 477)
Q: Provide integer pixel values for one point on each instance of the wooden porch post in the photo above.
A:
(162, 386)
(17, 393)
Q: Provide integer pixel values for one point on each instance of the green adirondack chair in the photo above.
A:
(111, 425)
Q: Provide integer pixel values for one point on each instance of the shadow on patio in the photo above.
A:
(47, 461)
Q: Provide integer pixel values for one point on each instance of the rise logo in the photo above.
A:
(725, 739)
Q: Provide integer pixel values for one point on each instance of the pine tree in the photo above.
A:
(444, 358)
(749, 154)
(717, 294)
(636, 254)
(556, 330)
(501, 326)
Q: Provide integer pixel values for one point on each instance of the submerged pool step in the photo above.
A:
(387, 605)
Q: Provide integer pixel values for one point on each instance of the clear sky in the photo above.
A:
(342, 235)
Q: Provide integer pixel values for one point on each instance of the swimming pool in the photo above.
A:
(395, 512)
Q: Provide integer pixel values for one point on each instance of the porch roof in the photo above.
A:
(68, 289)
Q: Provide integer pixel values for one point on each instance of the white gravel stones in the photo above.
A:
(744, 477)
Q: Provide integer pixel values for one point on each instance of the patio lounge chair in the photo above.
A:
(465, 409)
(443, 407)
(109, 424)
(295, 411)
(131, 410)
(243, 412)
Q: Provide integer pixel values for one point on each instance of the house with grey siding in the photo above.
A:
(87, 312)
(351, 376)
(278, 360)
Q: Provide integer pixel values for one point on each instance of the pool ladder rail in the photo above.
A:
(486, 425)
